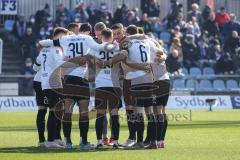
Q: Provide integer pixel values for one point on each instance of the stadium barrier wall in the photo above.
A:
(175, 102)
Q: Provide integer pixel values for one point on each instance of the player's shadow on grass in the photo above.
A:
(44, 150)
(187, 124)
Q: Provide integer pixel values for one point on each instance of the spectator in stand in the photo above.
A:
(32, 23)
(176, 33)
(232, 25)
(145, 6)
(136, 12)
(145, 24)
(215, 50)
(124, 11)
(153, 9)
(207, 11)
(25, 84)
(120, 14)
(176, 45)
(190, 52)
(19, 27)
(117, 17)
(195, 13)
(225, 65)
(28, 43)
(222, 18)
(47, 30)
(41, 17)
(190, 31)
(205, 37)
(79, 14)
(159, 26)
(205, 57)
(94, 14)
(195, 27)
(173, 64)
(174, 12)
(105, 14)
(232, 46)
(42, 34)
(131, 19)
(63, 16)
(61, 22)
(179, 22)
(211, 26)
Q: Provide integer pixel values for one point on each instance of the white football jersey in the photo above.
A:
(50, 59)
(37, 77)
(104, 76)
(139, 51)
(159, 69)
(37, 68)
(78, 46)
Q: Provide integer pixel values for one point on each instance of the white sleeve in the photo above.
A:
(94, 45)
(58, 56)
(38, 59)
(36, 67)
(92, 52)
(46, 43)
(153, 47)
(62, 41)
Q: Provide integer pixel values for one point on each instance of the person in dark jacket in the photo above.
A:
(28, 43)
(145, 24)
(225, 65)
(190, 52)
(232, 45)
(211, 26)
(173, 64)
(25, 84)
(232, 25)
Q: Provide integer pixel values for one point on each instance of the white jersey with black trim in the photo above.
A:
(75, 46)
(106, 76)
(37, 77)
(37, 69)
(159, 70)
(139, 51)
(50, 59)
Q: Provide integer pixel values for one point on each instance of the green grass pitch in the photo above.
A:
(201, 135)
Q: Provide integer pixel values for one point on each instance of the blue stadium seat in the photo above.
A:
(185, 71)
(195, 71)
(190, 84)
(208, 71)
(179, 84)
(165, 37)
(232, 84)
(205, 85)
(8, 25)
(219, 84)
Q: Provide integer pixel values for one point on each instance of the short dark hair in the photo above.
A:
(107, 33)
(117, 26)
(140, 30)
(72, 25)
(59, 30)
(85, 27)
(132, 29)
(99, 26)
